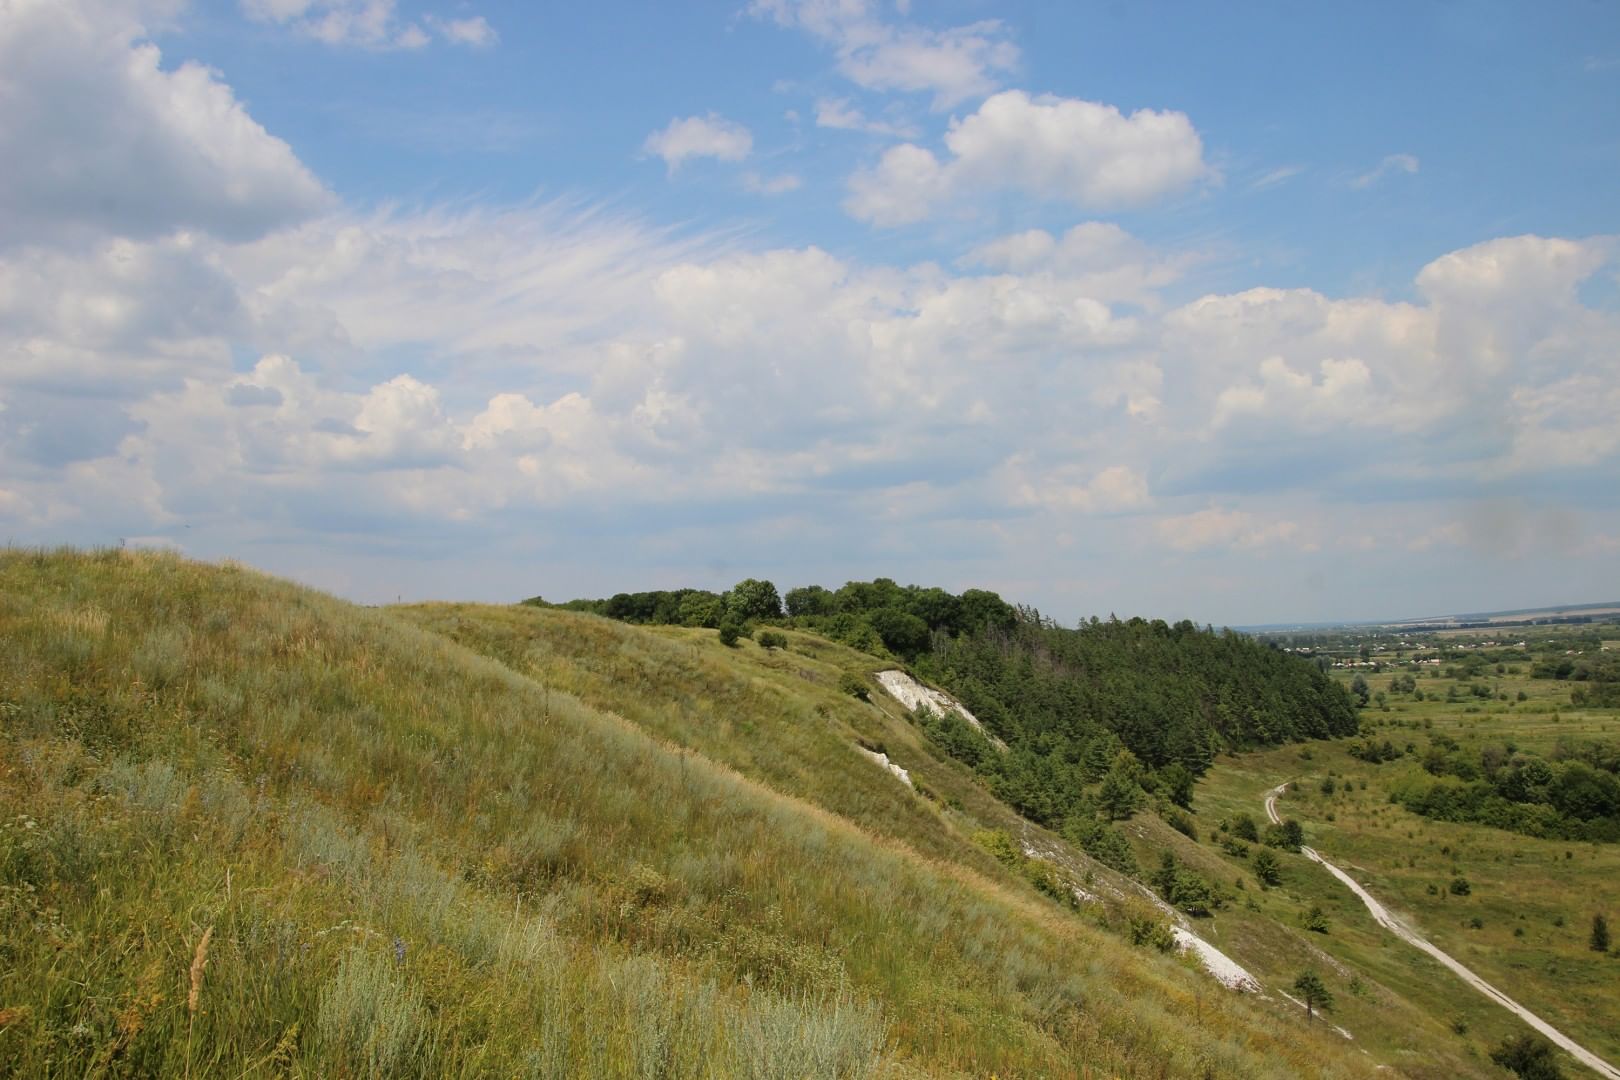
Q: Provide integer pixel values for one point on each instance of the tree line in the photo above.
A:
(1094, 719)
(1573, 796)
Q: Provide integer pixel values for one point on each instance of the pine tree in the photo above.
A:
(1313, 992)
(1121, 793)
(1600, 934)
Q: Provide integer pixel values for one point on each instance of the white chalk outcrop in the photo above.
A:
(883, 760)
(1227, 972)
(1223, 968)
(911, 693)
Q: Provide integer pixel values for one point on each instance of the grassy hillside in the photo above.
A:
(778, 716)
(252, 830)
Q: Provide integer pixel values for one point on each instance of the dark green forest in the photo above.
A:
(1092, 719)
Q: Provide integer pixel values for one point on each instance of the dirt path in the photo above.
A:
(1413, 938)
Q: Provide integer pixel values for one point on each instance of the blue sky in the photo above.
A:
(1243, 313)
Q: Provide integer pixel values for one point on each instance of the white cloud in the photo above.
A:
(1060, 149)
(839, 115)
(953, 64)
(474, 31)
(905, 187)
(1499, 372)
(1392, 164)
(368, 24)
(1112, 489)
(1340, 395)
(700, 136)
(780, 184)
(578, 358)
(1273, 177)
(431, 368)
(117, 320)
(1229, 529)
(98, 138)
(1531, 270)
(1102, 260)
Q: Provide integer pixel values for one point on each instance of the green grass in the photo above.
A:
(1533, 898)
(417, 859)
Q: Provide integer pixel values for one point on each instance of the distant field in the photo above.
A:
(1527, 615)
(1533, 899)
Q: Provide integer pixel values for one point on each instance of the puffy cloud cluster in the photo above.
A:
(97, 138)
(699, 136)
(252, 361)
(1060, 149)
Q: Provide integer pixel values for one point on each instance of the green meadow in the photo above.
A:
(1523, 918)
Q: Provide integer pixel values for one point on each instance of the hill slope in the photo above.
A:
(252, 829)
(778, 716)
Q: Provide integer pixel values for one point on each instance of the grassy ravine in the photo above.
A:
(1534, 898)
(409, 859)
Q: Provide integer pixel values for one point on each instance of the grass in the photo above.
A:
(412, 858)
(779, 717)
(1525, 921)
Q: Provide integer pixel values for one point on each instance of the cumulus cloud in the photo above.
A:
(697, 137)
(1391, 165)
(1338, 392)
(1498, 373)
(1102, 260)
(1060, 149)
(953, 64)
(117, 320)
(326, 374)
(592, 360)
(98, 138)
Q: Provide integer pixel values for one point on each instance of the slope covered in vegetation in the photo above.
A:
(1066, 702)
(249, 829)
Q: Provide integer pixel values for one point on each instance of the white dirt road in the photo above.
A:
(1389, 922)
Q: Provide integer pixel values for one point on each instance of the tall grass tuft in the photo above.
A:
(783, 1039)
(370, 1022)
